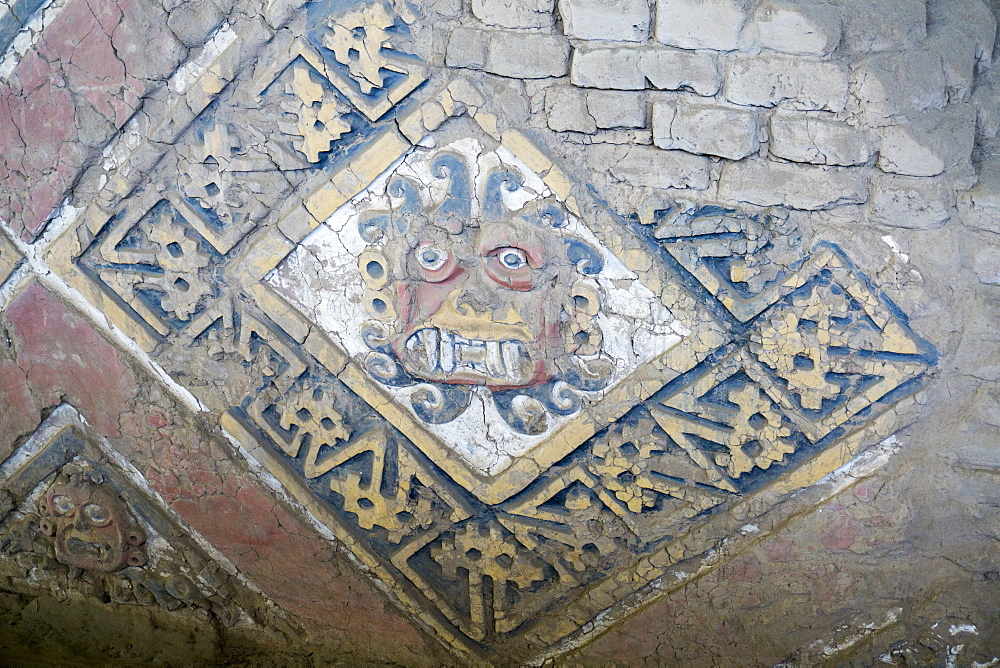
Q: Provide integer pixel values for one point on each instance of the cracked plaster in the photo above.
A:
(938, 267)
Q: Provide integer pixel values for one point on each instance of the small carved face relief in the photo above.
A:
(92, 527)
(501, 300)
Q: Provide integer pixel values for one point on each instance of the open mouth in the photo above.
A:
(445, 356)
(85, 550)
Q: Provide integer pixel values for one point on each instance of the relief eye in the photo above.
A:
(96, 514)
(512, 258)
(62, 504)
(431, 258)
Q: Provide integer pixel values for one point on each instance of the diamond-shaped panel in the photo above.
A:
(471, 296)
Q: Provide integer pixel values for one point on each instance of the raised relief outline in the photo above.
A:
(106, 217)
(364, 59)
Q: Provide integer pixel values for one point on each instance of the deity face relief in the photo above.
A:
(501, 299)
(92, 527)
(476, 300)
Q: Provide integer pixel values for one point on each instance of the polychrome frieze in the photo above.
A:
(515, 407)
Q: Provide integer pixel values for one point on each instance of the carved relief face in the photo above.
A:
(496, 300)
(92, 527)
(489, 304)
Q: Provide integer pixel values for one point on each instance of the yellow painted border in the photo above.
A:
(323, 195)
(409, 599)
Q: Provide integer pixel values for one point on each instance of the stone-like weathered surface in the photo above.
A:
(701, 24)
(768, 79)
(635, 69)
(612, 68)
(799, 186)
(797, 578)
(882, 25)
(818, 138)
(911, 202)
(987, 265)
(468, 47)
(800, 28)
(617, 109)
(527, 55)
(514, 13)
(609, 20)
(732, 137)
(566, 109)
(654, 168)
(980, 206)
(928, 143)
(726, 131)
(971, 19)
(891, 84)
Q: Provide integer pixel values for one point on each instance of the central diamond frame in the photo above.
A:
(637, 385)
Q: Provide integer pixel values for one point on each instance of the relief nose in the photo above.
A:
(472, 304)
(473, 299)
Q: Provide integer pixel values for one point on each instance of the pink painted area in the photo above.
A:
(779, 549)
(91, 56)
(38, 154)
(840, 533)
(58, 356)
(55, 356)
(283, 556)
(82, 42)
(273, 547)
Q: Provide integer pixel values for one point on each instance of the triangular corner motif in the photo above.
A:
(82, 521)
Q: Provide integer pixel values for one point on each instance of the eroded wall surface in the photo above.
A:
(585, 332)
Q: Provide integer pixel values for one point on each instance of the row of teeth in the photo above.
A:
(87, 549)
(439, 349)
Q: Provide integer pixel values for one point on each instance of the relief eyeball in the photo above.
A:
(47, 526)
(62, 504)
(97, 514)
(508, 266)
(512, 258)
(431, 258)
